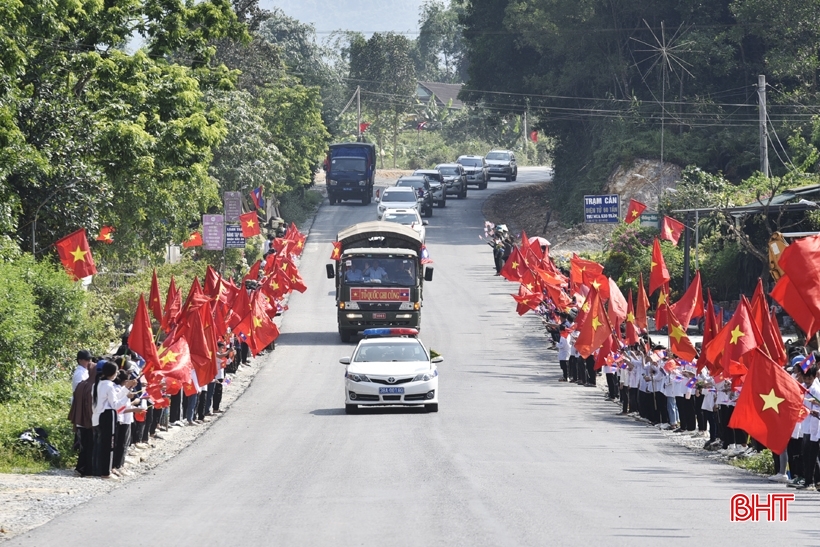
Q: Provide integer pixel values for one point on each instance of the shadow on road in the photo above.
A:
(308, 339)
(373, 410)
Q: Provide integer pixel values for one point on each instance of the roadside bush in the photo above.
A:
(761, 463)
(18, 327)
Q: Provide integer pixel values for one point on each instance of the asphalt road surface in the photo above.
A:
(512, 458)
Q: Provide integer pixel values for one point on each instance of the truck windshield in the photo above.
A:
(383, 271)
(355, 165)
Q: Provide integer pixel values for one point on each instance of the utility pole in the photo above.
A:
(359, 112)
(764, 135)
(525, 133)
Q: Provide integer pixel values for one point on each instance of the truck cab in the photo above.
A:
(350, 172)
(379, 277)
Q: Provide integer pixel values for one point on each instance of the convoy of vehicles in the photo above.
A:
(424, 191)
(397, 197)
(379, 277)
(437, 187)
(407, 217)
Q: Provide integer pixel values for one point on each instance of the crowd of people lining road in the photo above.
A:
(113, 418)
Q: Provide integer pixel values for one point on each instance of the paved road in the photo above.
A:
(512, 458)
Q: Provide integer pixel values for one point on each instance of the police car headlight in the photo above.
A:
(362, 182)
(425, 376)
(357, 377)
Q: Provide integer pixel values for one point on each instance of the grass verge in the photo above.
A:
(42, 405)
(761, 463)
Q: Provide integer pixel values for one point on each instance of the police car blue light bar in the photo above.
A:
(390, 332)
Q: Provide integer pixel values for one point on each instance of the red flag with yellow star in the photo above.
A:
(633, 212)
(671, 229)
(691, 303)
(173, 303)
(194, 240)
(679, 342)
(527, 300)
(578, 267)
(661, 312)
(106, 234)
(203, 358)
(618, 307)
(595, 329)
(599, 282)
(770, 404)
(263, 329)
(337, 251)
(631, 328)
(736, 338)
(154, 301)
(642, 305)
(174, 360)
(658, 273)
(711, 327)
(514, 267)
(141, 338)
(250, 224)
(75, 254)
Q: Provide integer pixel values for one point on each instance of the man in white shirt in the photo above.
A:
(375, 272)
(81, 371)
(563, 351)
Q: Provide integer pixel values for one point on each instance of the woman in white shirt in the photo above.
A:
(563, 352)
(106, 399)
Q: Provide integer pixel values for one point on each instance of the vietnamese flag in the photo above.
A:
(141, 338)
(679, 342)
(527, 300)
(253, 272)
(711, 327)
(691, 303)
(263, 329)
(173, 303)
(579, 266)
(770, 404)
(642, 305)
(202, 358)
(671, 229)
(786, 294)
(513, 267)
(194, 240)
(631, 328)
(531, 281)
(154, 300)
(599, 282)
(634, 211)
(250, 224)
(662, 310)
(801, 263)
(596, 328)
(337, 251)
(106, 235)
(770, 333)
(75, 254)
(618, 307)
(736, 338)
(174, 359)
(605, 353)
(658, 273)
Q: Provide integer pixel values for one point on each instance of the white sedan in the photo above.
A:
(390, 366)
(408, 217)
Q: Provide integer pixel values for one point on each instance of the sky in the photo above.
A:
(365, 16)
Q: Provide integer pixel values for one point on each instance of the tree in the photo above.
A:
(383, 67)
(440, 43)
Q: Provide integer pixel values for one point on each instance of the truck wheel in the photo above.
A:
(430, 210)
(332, 200)
(483, 185)
(345, 335)
(366, 200)
(463, 193)
(442, 203)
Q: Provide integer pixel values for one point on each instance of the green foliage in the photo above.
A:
(761, 463)
(18, 327)
(44, 404)
(440, 45)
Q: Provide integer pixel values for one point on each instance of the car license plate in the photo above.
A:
(379, 316)
(347, 189)
(391, 391)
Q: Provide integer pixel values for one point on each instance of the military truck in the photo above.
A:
(350, 171)
(379, 277)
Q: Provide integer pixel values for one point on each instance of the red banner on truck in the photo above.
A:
(368, 294)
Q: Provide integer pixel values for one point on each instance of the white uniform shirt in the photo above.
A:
(634, 375)
(563, 348)
(80, 374)
(813, 423)
(108, 398)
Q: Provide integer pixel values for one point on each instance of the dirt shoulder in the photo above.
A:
(529, 208)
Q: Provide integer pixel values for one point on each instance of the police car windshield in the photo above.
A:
(391, 350)
(390, 271)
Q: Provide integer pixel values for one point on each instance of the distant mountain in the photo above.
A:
(365, 16)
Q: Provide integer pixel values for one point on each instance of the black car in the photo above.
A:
(455, 179)
(436, 184)
(476, 170)
(423, 190)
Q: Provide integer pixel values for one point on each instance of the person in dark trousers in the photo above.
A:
(590, 370)
(107, 399)
(563, 352)
(82, 408)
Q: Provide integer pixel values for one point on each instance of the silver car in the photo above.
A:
(397, 197)
(454, 178)
(476, 170)
(501, 164)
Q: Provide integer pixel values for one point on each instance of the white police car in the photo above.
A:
(390, 366)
